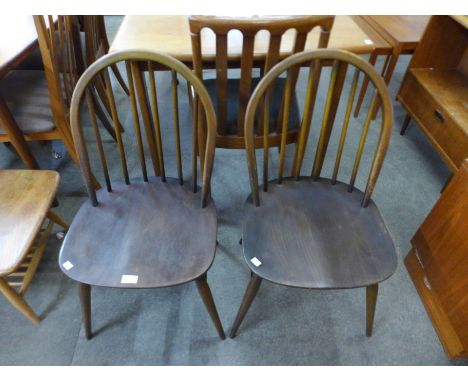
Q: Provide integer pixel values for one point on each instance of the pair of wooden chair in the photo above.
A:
(153, 231)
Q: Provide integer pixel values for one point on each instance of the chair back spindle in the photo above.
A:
(341, 62)
(145, 110)
(247, 60)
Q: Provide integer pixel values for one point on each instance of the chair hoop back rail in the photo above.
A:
(150, 117)
(249, 27)
(341, 60)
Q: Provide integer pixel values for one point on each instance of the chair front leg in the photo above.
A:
(371, 301)
(207, 297)
(17, 301)
(85, 298)
(250, 293)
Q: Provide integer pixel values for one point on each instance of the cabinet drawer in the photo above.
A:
(449, 139)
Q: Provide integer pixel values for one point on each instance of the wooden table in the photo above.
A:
(18, 40)
(402, 33)
(171, 35)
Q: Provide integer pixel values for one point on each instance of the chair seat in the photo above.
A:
(155, 230)
(27, 97)
(25, 198)
(316, 235)
(233, 103)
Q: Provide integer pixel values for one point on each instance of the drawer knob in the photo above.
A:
(438, 114)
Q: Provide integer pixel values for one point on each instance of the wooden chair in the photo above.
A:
(39, 99)
(97, 44)
(231, 95)
(148, 232)
(26, 223)
(312, 231)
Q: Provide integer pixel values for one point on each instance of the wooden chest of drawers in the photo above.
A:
(438, 264)
(434, 90)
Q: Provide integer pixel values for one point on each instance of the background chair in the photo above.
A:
(97, 44)
(145, 231)
(26, 223)
(40, 99)
(231, 95)
(313, 231)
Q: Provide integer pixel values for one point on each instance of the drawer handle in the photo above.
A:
(438, 114)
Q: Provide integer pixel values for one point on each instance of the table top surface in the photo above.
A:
(399, 29)
(171, 35)
(19, 36)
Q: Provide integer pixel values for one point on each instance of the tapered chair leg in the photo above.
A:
(207, 297)
(250, 293)
(371, 301)
(56, 219)
(85, 297)
(405, 124)
(17, 301)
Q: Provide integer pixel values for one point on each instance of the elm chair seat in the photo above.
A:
(233, 103)
(27, 96)
(155, 230)
(313, 231)
(312, 234)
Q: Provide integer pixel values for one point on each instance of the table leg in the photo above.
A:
(16, 137)
(365, 84)
(390, 67)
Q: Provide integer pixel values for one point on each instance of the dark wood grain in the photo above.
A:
(156, 230)
(250, 293)
(85, 298)
(315, 235)
(313, 232)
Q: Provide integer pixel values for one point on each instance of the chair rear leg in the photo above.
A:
(207, 297)
(17, 301)
(250, 293)
(371, 301)
(85, 297)
(405, 124)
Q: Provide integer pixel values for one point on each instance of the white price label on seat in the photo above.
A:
(129, 279)
(255, 261)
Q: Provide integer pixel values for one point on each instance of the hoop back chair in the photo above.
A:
(313, 231)
(231, 95)
(149, 231)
